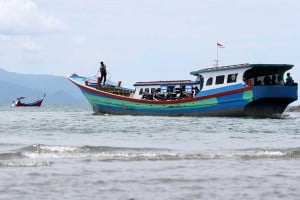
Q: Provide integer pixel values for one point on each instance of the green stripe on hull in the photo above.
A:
(93, 99)
(248, 95)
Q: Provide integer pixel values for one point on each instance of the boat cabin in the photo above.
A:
(219, 79)
(267, 74)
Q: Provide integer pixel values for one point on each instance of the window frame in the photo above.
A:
(209, 81)
(230, 78)
(220, 79)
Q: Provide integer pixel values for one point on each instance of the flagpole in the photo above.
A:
(217, 61)
(218, 46)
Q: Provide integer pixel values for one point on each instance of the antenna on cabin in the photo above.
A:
(216, 63)
(219, 45)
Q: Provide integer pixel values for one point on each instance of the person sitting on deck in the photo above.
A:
(289, 80)
(280, 81)
(158, 95)
(196, 91)
(274, 81)
(147, 96)
(267, 80)
(258, 82)
(182, 94)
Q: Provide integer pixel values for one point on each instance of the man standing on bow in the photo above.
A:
(103, 72)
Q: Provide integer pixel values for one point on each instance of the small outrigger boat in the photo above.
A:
(18, 103)
(234, 90)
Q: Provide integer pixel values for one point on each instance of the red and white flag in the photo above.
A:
(220, 45)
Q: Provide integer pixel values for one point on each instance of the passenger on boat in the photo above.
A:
(170, 95)
(274, 82)
(182, 94)
(246, 81)
(147, 96)
(103, 72)
(196, 91)
(267, 80)
(280, 81)
(157, 95)
(289, 80)
(259, 82)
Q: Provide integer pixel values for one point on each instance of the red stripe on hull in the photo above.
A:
(109, 95)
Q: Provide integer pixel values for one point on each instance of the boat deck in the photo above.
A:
(114, 90)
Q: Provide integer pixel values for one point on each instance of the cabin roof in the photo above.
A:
(220, 68)
(169, 82)
(267, 69)
(282, 67)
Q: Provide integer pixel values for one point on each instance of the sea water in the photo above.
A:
(67, 152)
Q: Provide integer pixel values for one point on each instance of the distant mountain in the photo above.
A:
(58, 89)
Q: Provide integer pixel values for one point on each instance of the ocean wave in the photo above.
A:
(108, 153)
(40, 148)
(9, 156)
(20, 163)
(269, 153)
(8, 144)
(124, 156)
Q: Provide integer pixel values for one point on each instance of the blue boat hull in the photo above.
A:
(269, 100)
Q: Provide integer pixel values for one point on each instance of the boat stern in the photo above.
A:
(270, 100)
(276, 91)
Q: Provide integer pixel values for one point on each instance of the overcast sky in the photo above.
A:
(143, 40)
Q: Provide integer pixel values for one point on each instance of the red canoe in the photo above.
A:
(18, 103)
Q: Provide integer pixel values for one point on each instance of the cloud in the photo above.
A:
(25, 17)
(31, 46)
(79, 40)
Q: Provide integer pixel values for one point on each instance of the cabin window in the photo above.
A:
(220, 79)
(146, 90)
(209, 81)
(231, 78)
(163, 89)
(188, 88)
(141, 91)
(152, 90)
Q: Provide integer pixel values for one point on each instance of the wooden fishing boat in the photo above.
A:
(18, 103)
(234, 90)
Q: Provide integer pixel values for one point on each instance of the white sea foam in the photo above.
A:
(257, 154)
(135, 154)
(59, 149)
(21, 163)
